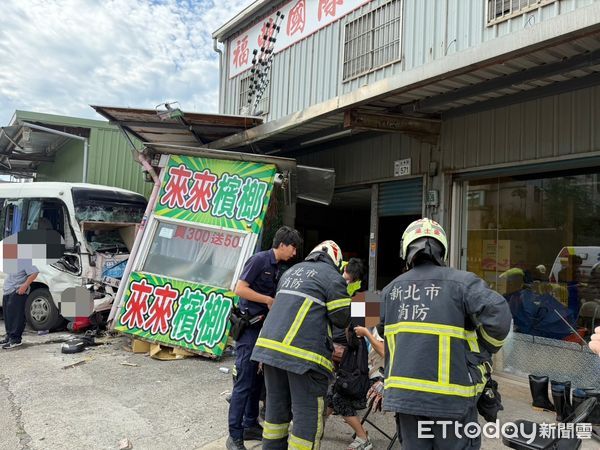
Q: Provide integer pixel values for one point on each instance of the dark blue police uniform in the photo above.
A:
(261, 272)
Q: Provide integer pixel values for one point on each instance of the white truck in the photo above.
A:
(97, 224)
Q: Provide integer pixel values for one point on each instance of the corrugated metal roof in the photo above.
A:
(189, 129)
(384, 97)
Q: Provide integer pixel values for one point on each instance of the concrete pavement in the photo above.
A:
(90, 400)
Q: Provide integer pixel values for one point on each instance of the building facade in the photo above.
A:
(70, 149)
(482, 114)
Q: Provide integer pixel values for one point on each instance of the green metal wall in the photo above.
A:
(67, 165)
(109, 161)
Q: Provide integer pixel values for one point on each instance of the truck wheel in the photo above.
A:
(40, 310)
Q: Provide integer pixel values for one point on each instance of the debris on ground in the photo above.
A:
(125, 444)
(164, 353)
(78, 363)
(124, 363)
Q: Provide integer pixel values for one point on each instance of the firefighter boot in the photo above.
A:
(561, 395)
(594, 417)
(579, 395)
(539, 392)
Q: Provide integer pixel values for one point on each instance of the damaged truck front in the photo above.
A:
(97, 226)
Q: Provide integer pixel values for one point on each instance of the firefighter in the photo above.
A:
(295, 347)
(441, 327)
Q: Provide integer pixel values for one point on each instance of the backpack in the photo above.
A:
(352, 377)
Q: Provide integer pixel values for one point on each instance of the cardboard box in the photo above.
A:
(503, 254)
(140, 346)
(128, 234)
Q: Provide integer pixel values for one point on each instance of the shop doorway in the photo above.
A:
(389, 263)
(399, 204)
(346, 220)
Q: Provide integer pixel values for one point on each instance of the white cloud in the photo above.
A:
(59, 56)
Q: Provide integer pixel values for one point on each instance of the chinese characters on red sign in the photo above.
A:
(208, 237)
(230, 196)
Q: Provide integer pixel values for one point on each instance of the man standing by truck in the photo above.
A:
(256, 289)
(16, 290)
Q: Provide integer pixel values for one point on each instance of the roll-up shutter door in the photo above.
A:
(401, 198)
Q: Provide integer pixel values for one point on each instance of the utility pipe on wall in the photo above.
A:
(69, 135)
(221, 84)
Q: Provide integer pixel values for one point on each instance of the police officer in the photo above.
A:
(441, 327)
(256, 289)
(295, 347)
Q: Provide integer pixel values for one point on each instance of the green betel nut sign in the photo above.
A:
(229, 194)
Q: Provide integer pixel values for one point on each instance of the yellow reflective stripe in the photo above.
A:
(490, 339)
(319, 435)
(473, 345)
(481, 386)
(392, 347)
(275, 431)
(295, 352)
(297, 323)
(433, 387)
(299, 443)
(435, 329)
(444, 360)
(430, 328)
(337, 304)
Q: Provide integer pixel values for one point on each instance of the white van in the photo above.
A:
(98, 225)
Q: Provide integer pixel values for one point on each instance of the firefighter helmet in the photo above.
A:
(332, 250)
(424, 235)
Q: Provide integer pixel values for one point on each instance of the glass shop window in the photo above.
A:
(536, 240)
(194, 253)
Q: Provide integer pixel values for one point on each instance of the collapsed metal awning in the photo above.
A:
(555, 56)
(184, 134)
(175, 127)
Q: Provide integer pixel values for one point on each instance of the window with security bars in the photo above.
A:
(499, 10)
(248, 96)
(373, 40)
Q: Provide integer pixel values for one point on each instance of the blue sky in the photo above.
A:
(59, 56)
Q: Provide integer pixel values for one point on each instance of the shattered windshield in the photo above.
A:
(95, 205)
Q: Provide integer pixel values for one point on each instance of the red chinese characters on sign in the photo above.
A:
(137, 305)
(328, 7)
(240, 53)
(161, 311)
(177, 187)
(208, 237)
(266, 33)
(296, 18)
(201, 191)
